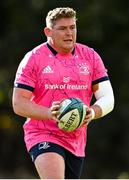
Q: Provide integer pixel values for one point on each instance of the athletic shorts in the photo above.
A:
(73, 164)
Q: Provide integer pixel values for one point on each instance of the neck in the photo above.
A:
(58, 50)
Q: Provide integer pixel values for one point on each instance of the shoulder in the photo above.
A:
(35, 53)
(83, 47)
(38, 50)
(87, 51)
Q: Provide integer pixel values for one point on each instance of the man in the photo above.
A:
(57, 69)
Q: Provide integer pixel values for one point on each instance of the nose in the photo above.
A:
(68, 31)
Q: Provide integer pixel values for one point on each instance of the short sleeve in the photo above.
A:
(99, 70)
(26, 73)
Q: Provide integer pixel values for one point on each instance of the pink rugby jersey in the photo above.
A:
(52, 77)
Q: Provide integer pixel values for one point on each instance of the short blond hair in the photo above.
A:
(58, 13)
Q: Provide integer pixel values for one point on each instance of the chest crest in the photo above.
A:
(83, 69)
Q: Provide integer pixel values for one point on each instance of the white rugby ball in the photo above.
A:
(72, 114)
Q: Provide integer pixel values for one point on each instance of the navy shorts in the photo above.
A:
(73, 164)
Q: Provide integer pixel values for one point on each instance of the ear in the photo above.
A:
(47, 32)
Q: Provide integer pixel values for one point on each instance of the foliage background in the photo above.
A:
(103, 25)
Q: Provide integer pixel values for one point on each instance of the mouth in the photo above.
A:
(68, 40)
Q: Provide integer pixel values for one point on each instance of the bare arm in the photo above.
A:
(23, 106)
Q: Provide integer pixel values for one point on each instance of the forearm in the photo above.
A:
(24, 107)
(97, 112)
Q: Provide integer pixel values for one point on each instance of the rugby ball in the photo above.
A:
(71, 114)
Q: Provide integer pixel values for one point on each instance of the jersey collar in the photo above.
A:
(55, 52)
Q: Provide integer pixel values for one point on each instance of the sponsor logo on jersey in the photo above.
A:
(66, 79)
(47, 69)
(44, 145)
(66, 86)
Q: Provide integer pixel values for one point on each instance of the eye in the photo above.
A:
(62, 28)
(72, 27)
